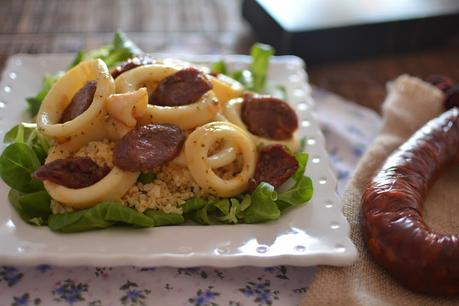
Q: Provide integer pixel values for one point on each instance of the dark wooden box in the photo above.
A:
(328, 30)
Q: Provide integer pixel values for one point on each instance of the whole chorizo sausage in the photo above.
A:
(393, 228)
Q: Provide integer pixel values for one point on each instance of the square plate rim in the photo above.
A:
(183, 260)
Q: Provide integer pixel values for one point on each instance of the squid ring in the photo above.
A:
(90, 124)
(112, 187)
(197, 147)
(222, 158)
(184, 116)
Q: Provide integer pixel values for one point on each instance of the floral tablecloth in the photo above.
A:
(348, 129)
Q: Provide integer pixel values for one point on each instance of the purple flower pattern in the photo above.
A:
(260, 291)
(10, 275)
(70, 291)
(205, 297)
(133, 295)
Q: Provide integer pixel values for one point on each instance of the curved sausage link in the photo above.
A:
(392, 222)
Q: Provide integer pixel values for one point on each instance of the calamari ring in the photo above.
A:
(184, 116)
(225, 88)
(232, 112)
(222, 158)
(90, 124)
(112, 187)
(197, 147)
(125, 109)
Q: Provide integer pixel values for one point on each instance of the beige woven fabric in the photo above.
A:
(409, 104)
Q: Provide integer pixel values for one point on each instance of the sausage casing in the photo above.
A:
(392, 222)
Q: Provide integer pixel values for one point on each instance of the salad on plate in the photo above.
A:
(127, 138)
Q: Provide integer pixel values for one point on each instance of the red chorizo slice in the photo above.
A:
(392, 223)
(268, 117)
(80, 102)
(181, 88)
(147, 147)
(72, 172)
(275, 165)
(132, 63)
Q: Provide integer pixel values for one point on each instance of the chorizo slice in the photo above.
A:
(132, 63)
(147, 147)
(275, 165)
(184, 87)
(392, 223)
(80, 102)
(268, 117)
(72, 172)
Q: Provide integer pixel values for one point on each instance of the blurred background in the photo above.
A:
(351, 47)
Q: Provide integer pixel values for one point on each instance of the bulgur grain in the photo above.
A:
(99, 151)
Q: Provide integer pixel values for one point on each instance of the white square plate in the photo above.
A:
(313, 234)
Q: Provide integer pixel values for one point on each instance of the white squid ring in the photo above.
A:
(111, 187)
(88, 126)
(184, 116)
(197, 147)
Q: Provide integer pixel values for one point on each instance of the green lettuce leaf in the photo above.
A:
(228, 209)
(263, 207)
(219, 67)
(33, 208)
(193, 204)
(253, 78)
(161, 218)
(28, 134)
(103, 215)
(301, 192)
(17, 163)
(201, 216)
(302, 159)
(121, 49)
(244, 77)
(147, 177)
(261, 54)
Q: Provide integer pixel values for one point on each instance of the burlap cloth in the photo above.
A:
(409, 104)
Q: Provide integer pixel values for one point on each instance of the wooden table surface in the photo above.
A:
(198, 26)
